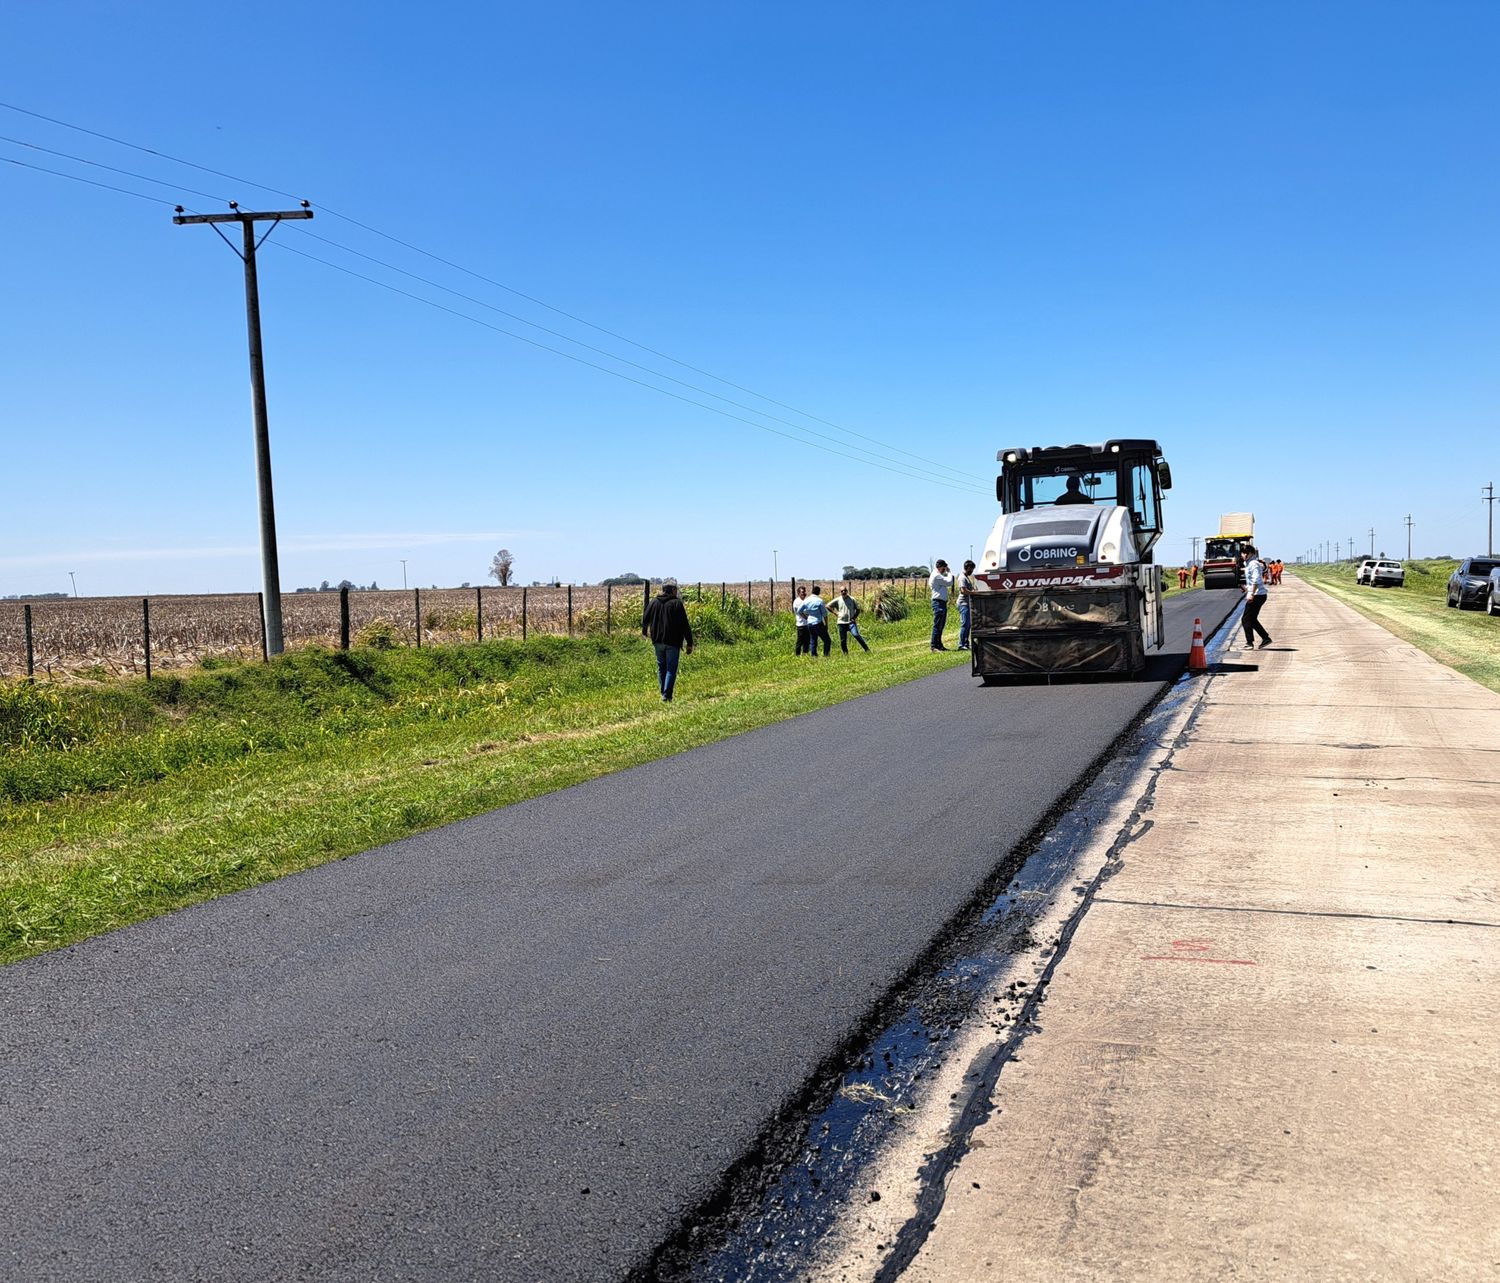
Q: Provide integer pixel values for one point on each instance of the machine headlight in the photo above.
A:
(1108, 549)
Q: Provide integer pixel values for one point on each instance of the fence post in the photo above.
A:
(260, 610)
(146, 632)
(30, 650)
(479, 614)
(609, 619)
(645, 600)
(416, 597)
(523, 614)
(749, 600)
(570, 610)
(723, 595)
(343, 619)
(700, 590)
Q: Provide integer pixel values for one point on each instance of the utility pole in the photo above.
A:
(73, 575)
(269, 569)
(1408, 536)
(775, 567)
(1372, 541)
(1338, 549)
(1194, 561)
(403, 572)
(1489, 497)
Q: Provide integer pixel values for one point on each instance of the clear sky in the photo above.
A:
(1264, 234)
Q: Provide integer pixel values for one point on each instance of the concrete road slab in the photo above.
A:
(1270, 1047)
(1240, 1095)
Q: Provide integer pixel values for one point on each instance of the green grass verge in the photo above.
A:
(1466, 640)
(124, 801)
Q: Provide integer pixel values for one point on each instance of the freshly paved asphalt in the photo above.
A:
(523, 1046)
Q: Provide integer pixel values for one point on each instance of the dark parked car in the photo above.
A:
(1469, 585)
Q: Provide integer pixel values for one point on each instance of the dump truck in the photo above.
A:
(1066, 583)
(1224, 553)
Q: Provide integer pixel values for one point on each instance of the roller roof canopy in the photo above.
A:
(1078, 453)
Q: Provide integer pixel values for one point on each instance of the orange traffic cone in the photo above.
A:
(1197, 657)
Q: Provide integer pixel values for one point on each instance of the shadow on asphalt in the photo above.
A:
(1159, 669)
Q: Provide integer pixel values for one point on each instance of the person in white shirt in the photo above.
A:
(799, 604)
(941, 584)
(1255, 598)
(815, 611)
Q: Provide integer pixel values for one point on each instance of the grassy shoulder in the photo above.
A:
(1466, 640)
(121, 802)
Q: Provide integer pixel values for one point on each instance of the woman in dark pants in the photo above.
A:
(1255, 598)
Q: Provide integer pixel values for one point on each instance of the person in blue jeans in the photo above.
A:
(666, 624)
(965, 604)
(941, 584)
(815, 611)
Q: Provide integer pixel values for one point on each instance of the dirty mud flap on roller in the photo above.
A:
(1054, 631)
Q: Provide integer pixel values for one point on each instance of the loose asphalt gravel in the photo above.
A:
(524, 1046)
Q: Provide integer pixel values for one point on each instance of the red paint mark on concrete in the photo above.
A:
(1186, 951)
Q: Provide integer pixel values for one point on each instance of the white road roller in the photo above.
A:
(1066, 584)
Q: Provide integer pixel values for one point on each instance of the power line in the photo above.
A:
(589, 347)
(78, 178)
(437, 258)
(477, 302)
(128, 173)
(891, 466)
(676, 396)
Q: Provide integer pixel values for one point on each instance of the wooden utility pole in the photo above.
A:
(1489, 497)
(1408, 536)
(270, 571)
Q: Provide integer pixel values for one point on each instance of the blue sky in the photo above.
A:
(1264, 234)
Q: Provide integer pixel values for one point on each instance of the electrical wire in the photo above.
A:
(635, 365)
(873, 460)
(676, 396)
(177, 160)
(78, 178)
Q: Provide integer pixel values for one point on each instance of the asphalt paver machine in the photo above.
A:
(1066, 583)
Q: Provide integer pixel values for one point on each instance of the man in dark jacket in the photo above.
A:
(666, 624)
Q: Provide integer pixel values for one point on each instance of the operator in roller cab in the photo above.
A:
(1066, 582)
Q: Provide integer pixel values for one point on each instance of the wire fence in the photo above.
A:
(100, 637)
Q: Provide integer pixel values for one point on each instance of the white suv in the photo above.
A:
(1362, 575)
(1385, 572)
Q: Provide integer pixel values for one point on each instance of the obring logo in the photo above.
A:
(1047, 554)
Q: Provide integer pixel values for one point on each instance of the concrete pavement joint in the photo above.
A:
(1297, 913)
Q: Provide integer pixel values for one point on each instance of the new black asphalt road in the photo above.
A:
(524, 1046)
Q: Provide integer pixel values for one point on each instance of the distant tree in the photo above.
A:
(629, 577)
(323, 587)
(374, 587)
(501, 567)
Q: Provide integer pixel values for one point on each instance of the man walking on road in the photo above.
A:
(941, 584)
(1255, 598)
(666, 624)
